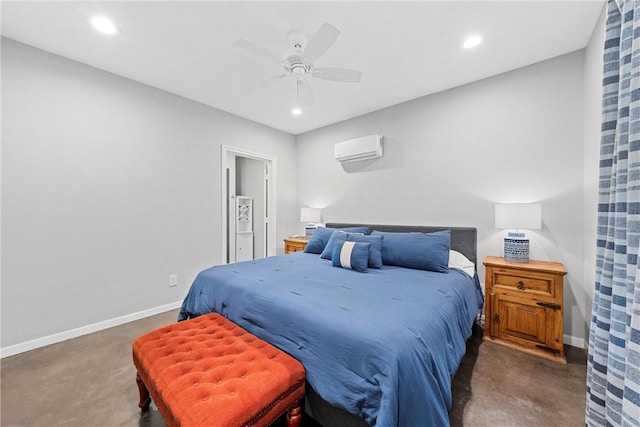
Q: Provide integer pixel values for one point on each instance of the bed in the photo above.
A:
(382, 345)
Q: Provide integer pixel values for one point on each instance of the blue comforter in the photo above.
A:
(383, 345)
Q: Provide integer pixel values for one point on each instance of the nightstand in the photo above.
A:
(524, 306)
(294, 244)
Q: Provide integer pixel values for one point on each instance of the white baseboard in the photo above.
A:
(574, 341)
(84, 330)
(99, 326)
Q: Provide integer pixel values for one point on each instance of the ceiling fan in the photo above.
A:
(300, 65)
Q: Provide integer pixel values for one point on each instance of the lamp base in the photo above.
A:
(309, 229)
(516, 247)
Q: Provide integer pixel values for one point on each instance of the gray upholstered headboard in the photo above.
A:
(463, 239)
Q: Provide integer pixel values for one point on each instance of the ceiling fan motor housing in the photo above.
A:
(298, 66)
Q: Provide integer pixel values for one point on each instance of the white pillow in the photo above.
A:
(461, 262)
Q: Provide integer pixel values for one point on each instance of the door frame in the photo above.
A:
(268, 211)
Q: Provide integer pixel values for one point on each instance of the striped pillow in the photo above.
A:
(353, 255)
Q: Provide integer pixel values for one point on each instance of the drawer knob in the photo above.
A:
(521, 285)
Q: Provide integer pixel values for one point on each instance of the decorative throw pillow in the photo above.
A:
(353, 255)
(421, 251)
(337, 235)
(375, 251)
(320, 239)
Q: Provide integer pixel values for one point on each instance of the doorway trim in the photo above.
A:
(270, 199)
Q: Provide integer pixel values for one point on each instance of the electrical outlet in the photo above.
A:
(173, 280)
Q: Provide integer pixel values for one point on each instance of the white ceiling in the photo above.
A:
(405, 49)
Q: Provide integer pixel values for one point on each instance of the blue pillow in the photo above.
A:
(420, 251)
(320, 238)
(375, 251)
(353, 255)
(341, 234)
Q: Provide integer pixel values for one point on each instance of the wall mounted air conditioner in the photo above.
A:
(364, 148)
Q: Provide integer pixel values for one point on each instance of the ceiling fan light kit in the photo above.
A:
(300, 65)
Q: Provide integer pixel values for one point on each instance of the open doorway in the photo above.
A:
(248, 208)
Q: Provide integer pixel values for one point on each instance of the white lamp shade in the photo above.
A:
(310, 215)
(519, 216)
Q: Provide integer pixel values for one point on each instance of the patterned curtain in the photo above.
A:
(613, 366)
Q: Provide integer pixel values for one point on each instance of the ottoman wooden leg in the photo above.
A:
(294, 415)
(145, 399)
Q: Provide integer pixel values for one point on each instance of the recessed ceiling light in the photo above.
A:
(296, 111)
(472, 42)
(104, 25)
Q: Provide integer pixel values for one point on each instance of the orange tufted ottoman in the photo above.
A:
(208, 371)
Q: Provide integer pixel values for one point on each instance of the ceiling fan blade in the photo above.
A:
(321, 41)
(259, 51)
(305, 94)
(337, 74)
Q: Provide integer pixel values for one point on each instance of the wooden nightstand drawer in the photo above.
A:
(523, 281)
(294, 244)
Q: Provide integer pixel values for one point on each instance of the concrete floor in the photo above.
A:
(497, 386)
(90, 381)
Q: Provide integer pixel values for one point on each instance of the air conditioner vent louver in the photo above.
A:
(364, 148)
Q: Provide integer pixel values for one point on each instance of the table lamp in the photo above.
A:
(310, 216)
(518, 217)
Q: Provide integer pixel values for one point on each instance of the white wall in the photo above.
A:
(592, 122)
(105, 179)
(449, 157)
(108, 187)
